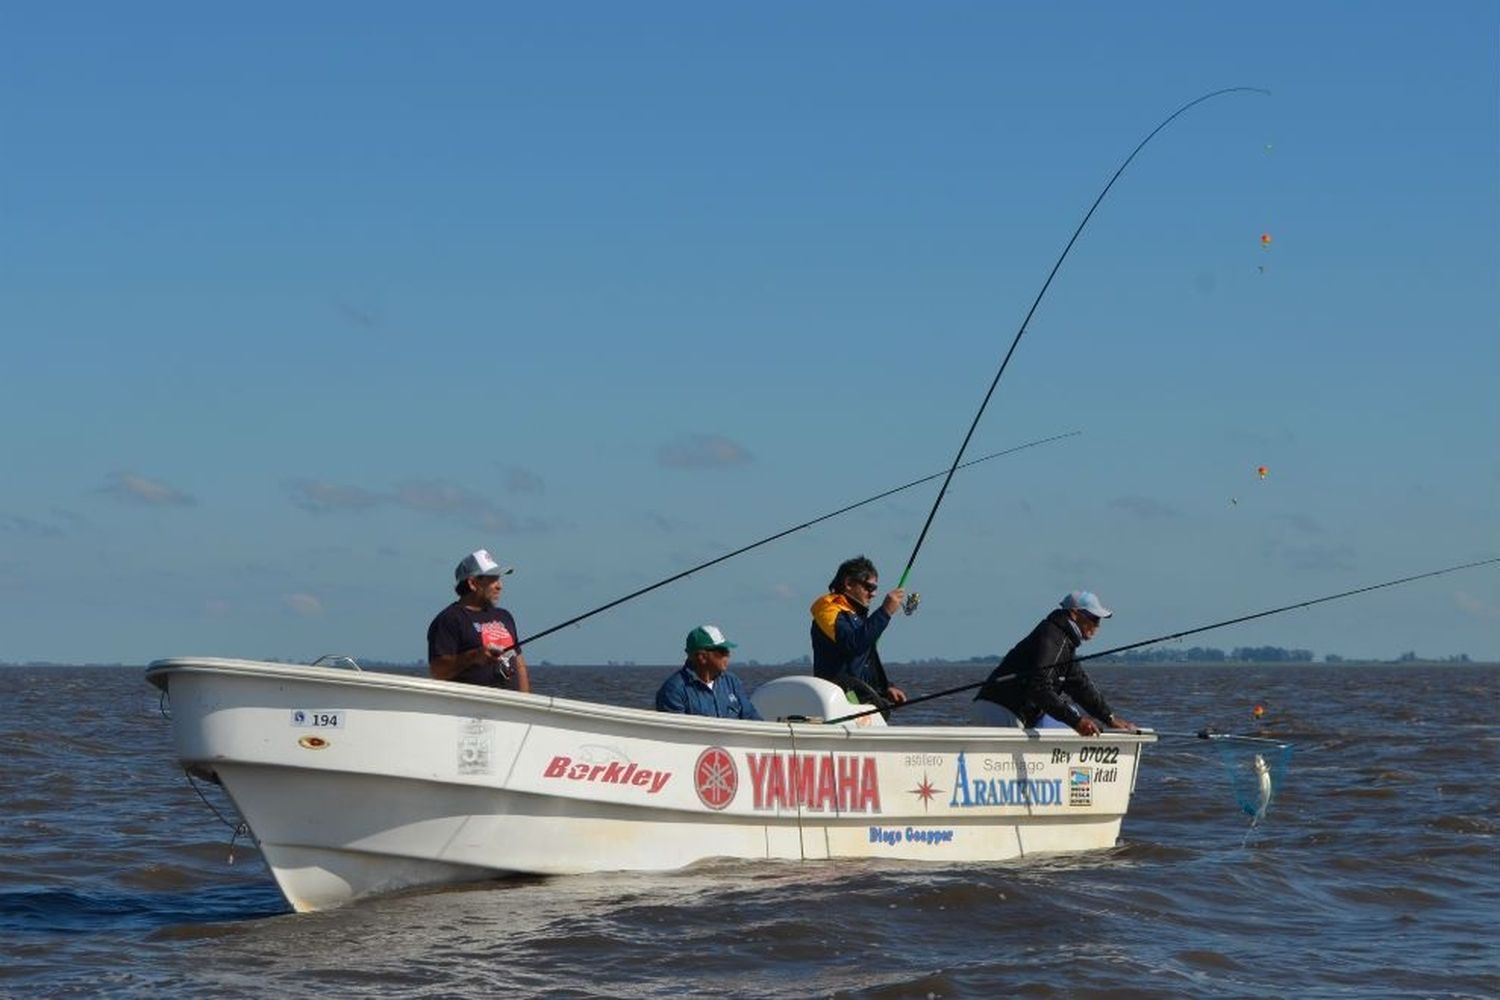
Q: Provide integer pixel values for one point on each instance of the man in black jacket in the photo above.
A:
(1031, 681)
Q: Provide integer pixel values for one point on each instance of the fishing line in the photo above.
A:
(1038, 301)
(782, 534)
(1192, 631)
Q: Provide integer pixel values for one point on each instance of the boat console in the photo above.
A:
(808, 699)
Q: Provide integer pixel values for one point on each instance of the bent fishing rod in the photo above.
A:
(782, 534)
(938, 502)
(1178, 635)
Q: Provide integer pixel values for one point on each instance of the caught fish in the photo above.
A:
(1263, 784)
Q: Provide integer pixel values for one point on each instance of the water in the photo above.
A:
(1376, 871)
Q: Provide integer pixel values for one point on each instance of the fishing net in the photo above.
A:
(1257, 772)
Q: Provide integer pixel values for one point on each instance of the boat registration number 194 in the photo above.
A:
(318, 718)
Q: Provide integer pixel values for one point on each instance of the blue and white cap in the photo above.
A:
(1086, 600)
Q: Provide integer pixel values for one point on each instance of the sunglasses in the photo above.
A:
(869, 585)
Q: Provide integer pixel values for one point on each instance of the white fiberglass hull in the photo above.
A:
(356, 783)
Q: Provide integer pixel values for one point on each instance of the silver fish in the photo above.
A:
(1263, 783)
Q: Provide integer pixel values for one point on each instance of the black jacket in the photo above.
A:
(1043, 671)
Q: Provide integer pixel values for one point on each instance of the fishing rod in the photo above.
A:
(1038, 301)
(1209, 734)
(1178, 635)
(782, 534)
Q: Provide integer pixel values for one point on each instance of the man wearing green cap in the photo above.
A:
(704, 685)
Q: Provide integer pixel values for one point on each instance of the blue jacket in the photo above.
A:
(684, 692)
(843, 643)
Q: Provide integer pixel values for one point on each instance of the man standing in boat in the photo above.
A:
(473, 640)
(1030, 683)
(844, 632)
(704, 685)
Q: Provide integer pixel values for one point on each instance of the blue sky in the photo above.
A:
(301, 303)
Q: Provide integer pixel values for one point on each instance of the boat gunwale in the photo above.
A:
(158, 671)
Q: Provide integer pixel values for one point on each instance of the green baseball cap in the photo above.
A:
(707, 637)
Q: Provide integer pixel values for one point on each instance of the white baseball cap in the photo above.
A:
(1085, 600)
(480, 563)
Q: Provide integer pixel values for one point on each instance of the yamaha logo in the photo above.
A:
(715, 778)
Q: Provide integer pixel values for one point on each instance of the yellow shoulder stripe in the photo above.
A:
(826, 611)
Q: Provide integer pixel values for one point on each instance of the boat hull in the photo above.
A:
(358, 783)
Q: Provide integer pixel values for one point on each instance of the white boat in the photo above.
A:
(356, 783)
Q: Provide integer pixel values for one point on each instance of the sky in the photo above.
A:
(299, 304)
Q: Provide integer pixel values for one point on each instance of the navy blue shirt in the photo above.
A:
(684, 692)
(458, 629)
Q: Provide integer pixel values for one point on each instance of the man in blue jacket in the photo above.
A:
(845, 630)
(704, 685)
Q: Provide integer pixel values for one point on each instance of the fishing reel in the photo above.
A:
(505, 664)
(910, 604)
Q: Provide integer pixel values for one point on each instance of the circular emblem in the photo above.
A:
(715, 778)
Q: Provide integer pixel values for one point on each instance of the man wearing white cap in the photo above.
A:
(704, 685)
(1032, 680)
(473, 640)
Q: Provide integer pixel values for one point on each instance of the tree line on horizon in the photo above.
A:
(1200, 654)
(1191, 654)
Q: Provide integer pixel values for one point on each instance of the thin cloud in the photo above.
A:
(321, 497)
(359, 317)
(1475, 607)
(257, 571)
(577, 581)
(519, 480)
(682, 558)
(431, 497)
(1145, 508)
(138, 489)
(456, 502)
(1073, 567)
(702, 451)
(1302, 523)
(1259, 440)
(1314, 557)
(662, 522)
(305, 605)
(22, 525)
